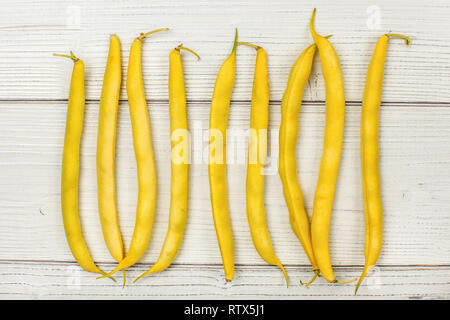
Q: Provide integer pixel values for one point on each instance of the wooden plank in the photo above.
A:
(36, 280)
(31, 31)
(415, 156)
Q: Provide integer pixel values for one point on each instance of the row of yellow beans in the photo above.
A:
(314, 238)
(144, 157)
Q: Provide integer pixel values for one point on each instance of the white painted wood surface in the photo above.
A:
(35, 261)
(33, 280)
(31, 31)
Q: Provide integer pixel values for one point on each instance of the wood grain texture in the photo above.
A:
(31, 31)
(415, 162)
(34, 280)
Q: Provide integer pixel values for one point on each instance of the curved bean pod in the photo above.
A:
(71, 168)
(257, 151)
(106, 144)
(179, 185)
(331, 154)
(287, 164)
(145, 161)
(218, 121)
(373, 209)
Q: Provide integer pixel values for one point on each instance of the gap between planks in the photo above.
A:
(182, 265)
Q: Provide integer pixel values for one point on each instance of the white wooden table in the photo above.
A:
(35, 261)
